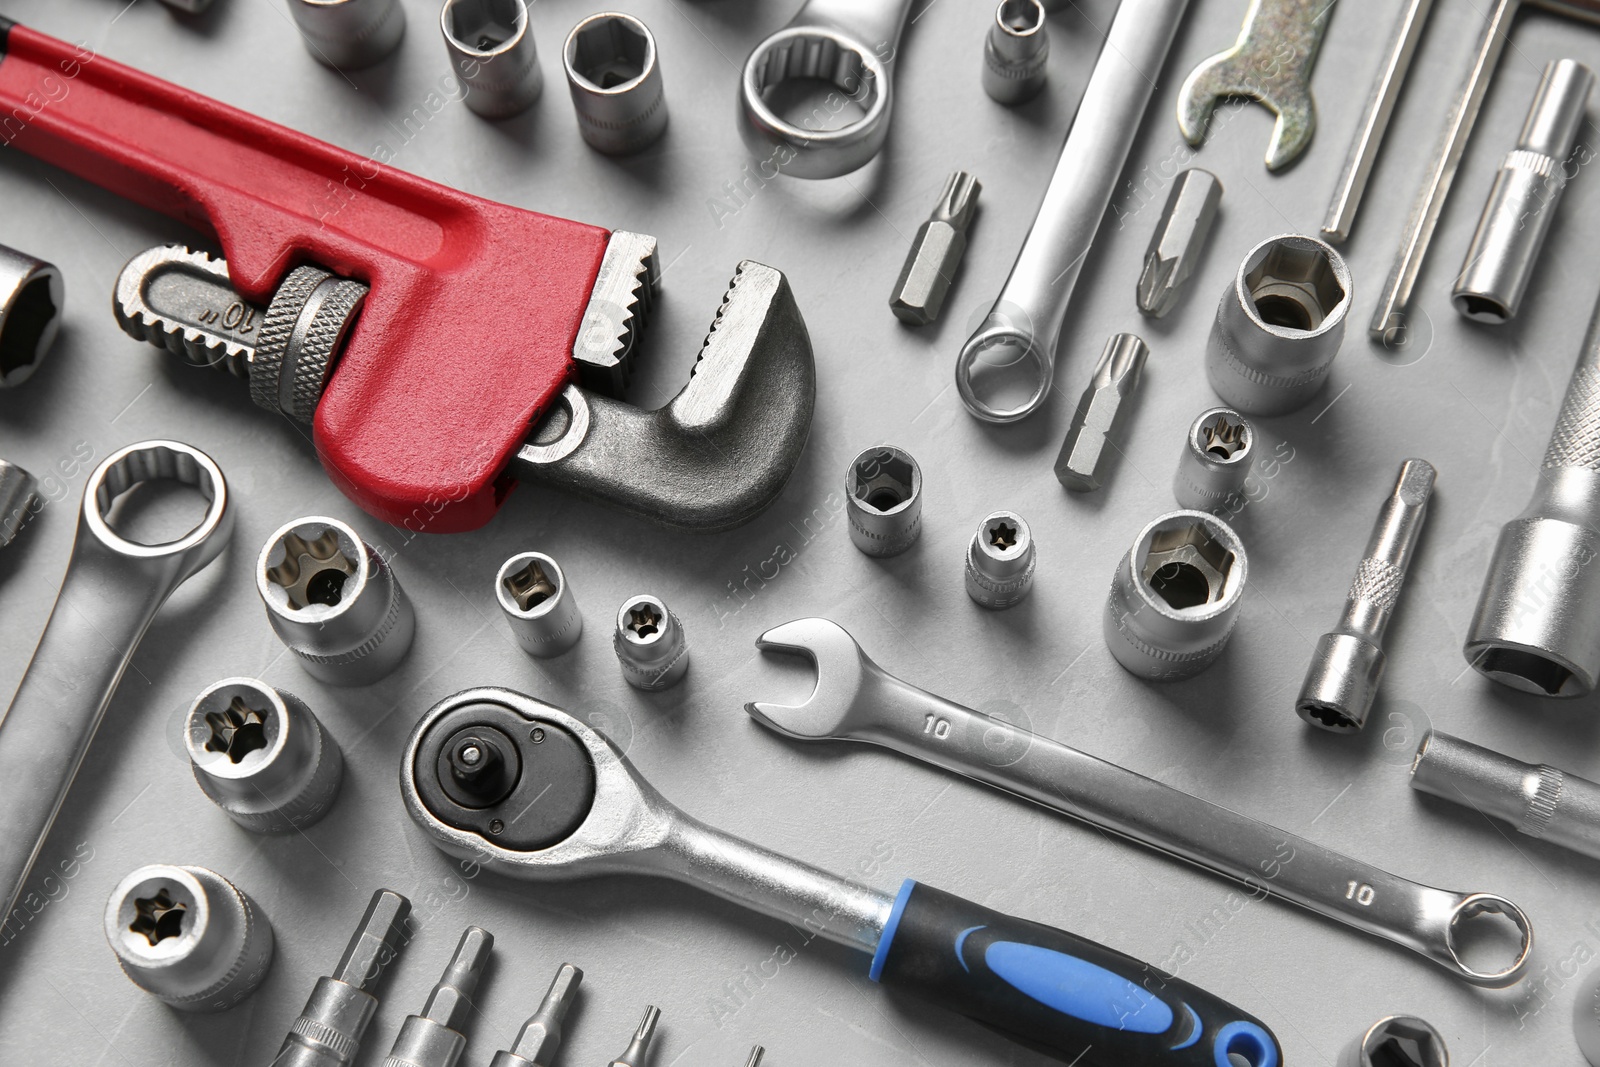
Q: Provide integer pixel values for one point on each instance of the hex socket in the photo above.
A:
(650, 643)
(31, 297)
(1398, 1041)
(883, 501)
(1001, 561)
(492, 51)
(1217, 454)
(1279, 325)
(615, 79)
(1175, 596)
(349, 34)
(1016, 52)
(541, 611)
(262, 756)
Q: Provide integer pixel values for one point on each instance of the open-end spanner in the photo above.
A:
(112, 590)
(857, 700)
(526, 790)
(477, 319)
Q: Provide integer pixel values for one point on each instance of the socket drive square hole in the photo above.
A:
(312, 572)
(485, 25)
(1294, 287)
(1186, 567)
(531, 586)
(610, 52)
(882, 481)
(1021, 16)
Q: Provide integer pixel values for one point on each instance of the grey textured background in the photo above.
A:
(1477, 402)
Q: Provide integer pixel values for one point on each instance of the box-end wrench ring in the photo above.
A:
(857, 700)
(851, 43)
(112, 590)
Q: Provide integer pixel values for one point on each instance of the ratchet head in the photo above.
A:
(844, 671)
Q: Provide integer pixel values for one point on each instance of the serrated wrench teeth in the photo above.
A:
(1270, 63)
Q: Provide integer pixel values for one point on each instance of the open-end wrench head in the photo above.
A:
(843, 672)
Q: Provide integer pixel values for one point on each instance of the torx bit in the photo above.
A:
(1084, 454)
(434, 1038)
(540, 1037)
(936, 253)
(1178, 241)
(639, 1047)
(1348, 663)
(329, 1029)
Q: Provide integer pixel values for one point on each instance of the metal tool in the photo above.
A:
(650, 644)
(639, 1047)
(493, 54)
(1522, 203)
(1086, 452)
(1347, 664)
(857, 700)
(434, 1038)
(334, 601)
(1537, 624)
(1375, 121)
(262, 756)
(329, 1029)
(936, 253)
(883, 501)
(1006, 368)
(1270, 63)
(596, 815)
(854, 45)
(1001, 559)
(1218, 452)
(19, 498)
(31, 299)
(540, 1036)
(458, 371)
(1016, 52)
(1586, 1018)
(112, 590)
(1179, 239)
(1398, 1041)
(614, 76)
(348, 34)
(188, 936)
(755, 1056)
(1279, 325)
(532, 591)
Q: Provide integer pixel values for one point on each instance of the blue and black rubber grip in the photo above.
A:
(1057, 992)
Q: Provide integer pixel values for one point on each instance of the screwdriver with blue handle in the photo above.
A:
(541, 796)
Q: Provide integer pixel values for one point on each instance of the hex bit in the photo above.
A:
(1084, 454)
(434, 1038)
(540, 1036)
(634, 1055)
(1180, 237)
(936, 253)
(1348, 662)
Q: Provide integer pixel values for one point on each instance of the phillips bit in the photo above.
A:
(1082, 462)
(634, 1055)
(540, 1036)
(1179, 239)
(936, 252)
(434, 1038)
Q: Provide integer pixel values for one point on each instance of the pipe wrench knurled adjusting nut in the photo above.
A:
(1347, 665)
(650, 643)
(19, 497)
(31, 296)
(492, 51)
(1216, 459)
(540, 609)
(883, 501)
(349, 34)
(1279, 325)
(1001, 561)
(1016, 52)
(540, 1037)
(1398, 1041)
(1175, 596)
(614, 76)
(187, 936)
(434, 1038)
(1086, 452)
(1522, 202)
(334, 601)
(262, 756)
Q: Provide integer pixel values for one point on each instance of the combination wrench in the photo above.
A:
(112, 590)
(857, 700)
(526, 790)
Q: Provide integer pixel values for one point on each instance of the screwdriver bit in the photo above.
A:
(329, 1029)
(1179, 238)
(434, 1038)
(1084, 453)
(540, 1037)
(634, 1055)
(755, 1056)
(936, 253)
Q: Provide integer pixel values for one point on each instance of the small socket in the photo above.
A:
(615, 81)
(262, 756)
(541, 610)
(1215, 462)
(1016, 53)
(31, 298)
(883, 501)
(334, 601)
(19, 498)
(492, 51)
(1398, 1041)
(187, 936)
(349, 34)
(1001, 561)
(650, 644)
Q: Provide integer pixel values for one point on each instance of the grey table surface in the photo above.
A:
(1477, 402)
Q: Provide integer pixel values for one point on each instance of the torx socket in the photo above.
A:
(1016, 52)
(1001, 561)
(1522, 202)
(262, 756)
(1537, 624)
(650, 643)
(614, 76)
(19, 498)
(1398, 1041)
(31, 297)
(334, 601)
(1086, 453)
(1175, 596)
(187, 936)
(1536, 799)
(639, 1048)
(1216, 459)
(1179, 239)
(936, 252)
(329, 1029)
(1279, 325)
(434, 1038)
(349, 34)
(493, 54)
(542, 612)
(1347, 665)
(883, 501)
(540, 1036)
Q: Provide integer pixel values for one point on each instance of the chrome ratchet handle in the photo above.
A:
(112, 590)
